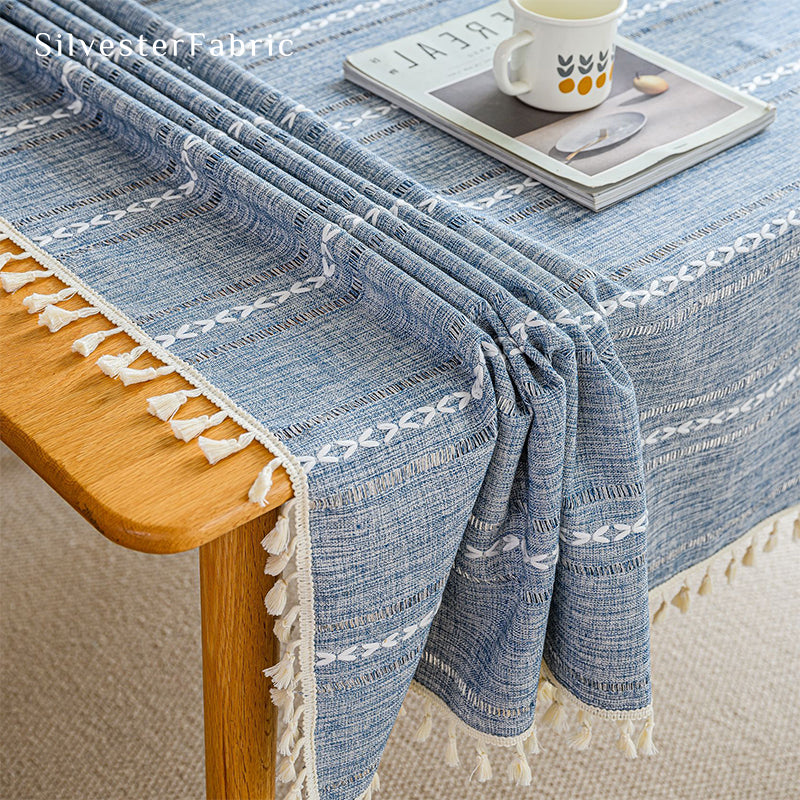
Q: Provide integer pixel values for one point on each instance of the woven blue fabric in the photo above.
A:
(515, 416)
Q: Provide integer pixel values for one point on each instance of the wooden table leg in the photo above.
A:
(238, 643)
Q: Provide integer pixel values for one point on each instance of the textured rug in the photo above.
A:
(101, 681)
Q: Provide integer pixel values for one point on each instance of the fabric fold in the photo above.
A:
(476, 492)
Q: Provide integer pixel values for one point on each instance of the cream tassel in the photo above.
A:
(55, 318)
(111, 365)
(705, 585)
(483, 767)
(730, 570)
(130, 376)
(11, 281)
(263, 483)
(682, 600)
(749, 557)
(772, 539)
(286, 772)
(188, 429)
(289, 736)
(277, 540)
(38, 302)
(451, 752)
(402, 712)
(165, 406)
(217, 449)
(276, 564)
(645, 744)
(296, 792)
(520, 770)
(426, 727)
(373, 788)
(661, 613)
(555, 717)
(283, 626)
(625, 743)
(6, 257)
(796, 530)
(282, 673)
(582, 738)
(532, 747)
(283, 700)
(545, 691)
(275, 601)
(86, 345)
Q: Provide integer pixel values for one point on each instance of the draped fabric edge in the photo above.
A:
(290, 540)
(299, 549)
(564, 712)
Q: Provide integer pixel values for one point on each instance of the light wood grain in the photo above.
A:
(92, 439)
(238, 643)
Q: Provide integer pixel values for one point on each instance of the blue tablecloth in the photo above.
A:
(505, 417)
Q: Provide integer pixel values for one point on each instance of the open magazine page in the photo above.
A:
(657, 108)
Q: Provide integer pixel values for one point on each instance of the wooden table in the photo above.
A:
(93, 441)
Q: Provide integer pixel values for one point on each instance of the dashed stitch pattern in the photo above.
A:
(770, 77)
(720, 418)
(75, 229)
(364, 650)
(191, 330)
(376, 112)
(36, 121)
(605, 534)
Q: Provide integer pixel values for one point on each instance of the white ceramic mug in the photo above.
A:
(561, 53)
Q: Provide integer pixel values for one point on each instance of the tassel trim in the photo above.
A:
(281, 544)
(216, 449)
(130, 376)
(111, 365)
(6, 257)
(188, 429)
(295, 668)
(165, 406)
(38, 302)
(263, 483)
(700, 578)
(11, 281)
(55, 318)
(86, 345)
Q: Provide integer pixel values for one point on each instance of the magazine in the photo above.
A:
(660, 117)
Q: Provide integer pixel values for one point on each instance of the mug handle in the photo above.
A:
(502, 59)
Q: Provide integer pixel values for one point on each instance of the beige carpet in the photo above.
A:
(101, 694)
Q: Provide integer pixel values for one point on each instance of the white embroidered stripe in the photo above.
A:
(347, 447)
(685, 275)
(185, 189)
(508, 543)
(370, 113)
(31, 123)
(340, 15)
(601, 535)
(770, 77)
(699, 423)
(364, 650)
(191, 330)
(484, 203)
